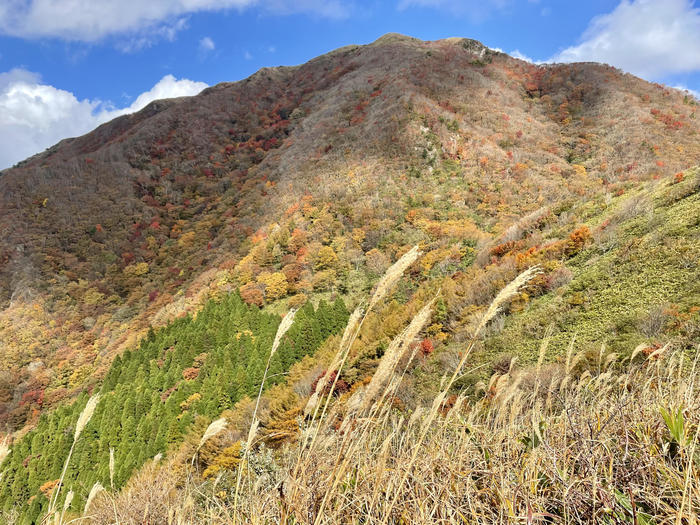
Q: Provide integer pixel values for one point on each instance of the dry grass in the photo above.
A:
(212, 430)
(613, 443)
(338, 361)
(392, 275)
(362, 399)
(83, 420)
(4, 450)
(94, 491)
(596, 449)
(151, 496)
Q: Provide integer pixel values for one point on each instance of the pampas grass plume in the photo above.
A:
(395, 351)
(212, 430)
(4, 450)
(68, 501)
(506, 294)
(111, 467)
(85, 415)
(343, 349)
(282, 329)
(393, 274)
(94, 491)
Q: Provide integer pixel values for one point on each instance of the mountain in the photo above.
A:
(302, 185)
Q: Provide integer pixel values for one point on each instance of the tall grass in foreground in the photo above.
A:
(614, 441)
(614, 447)
(80, 425)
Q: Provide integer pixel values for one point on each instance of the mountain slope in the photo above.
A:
(363, 151)
(633, 280)
(207, 217)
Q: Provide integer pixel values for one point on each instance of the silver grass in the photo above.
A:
(94, 491)
(393, 274)
(417, 413)
(68, 501)
(343, 349)
(657, 353)
(4, 450)
(350, 328)
(83, 420)
(385, 284)
(66, 504)
(506, 294)
(212, 430)
(285, 324)
(252, 432)
(640, 348)
(569, 355)
(111, 467)
(395, 351)
(85, 415)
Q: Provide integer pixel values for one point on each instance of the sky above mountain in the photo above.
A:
(67, 66)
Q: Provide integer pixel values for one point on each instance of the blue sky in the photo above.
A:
(69, 65)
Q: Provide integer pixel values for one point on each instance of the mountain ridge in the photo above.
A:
(186, 186)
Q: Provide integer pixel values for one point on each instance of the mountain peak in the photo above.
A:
(391, 38)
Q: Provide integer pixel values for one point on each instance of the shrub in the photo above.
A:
(190, 374)
(341, 386)
(577, 240)
(252, 294)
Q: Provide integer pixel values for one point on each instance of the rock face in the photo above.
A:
(102, 234)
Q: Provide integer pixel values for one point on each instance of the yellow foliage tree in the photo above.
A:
(326, 258)
(580, 169)
(276, 284)
(358, 235)
(93, 296)
(136, 270)
(228, 459)
(186, 240)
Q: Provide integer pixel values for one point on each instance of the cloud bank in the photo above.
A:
(37, 115)
(650, 38)
(93, 20)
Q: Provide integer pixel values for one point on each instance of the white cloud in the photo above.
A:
(649, 38)
(92, 20)
(517, 54)
(167, 87)
(693, 92)
(136, 41)
(206, 44)
(247, 55)
(34, 116)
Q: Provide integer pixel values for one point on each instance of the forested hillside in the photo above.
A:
(179, 378)
(518, 244)
(251, 184)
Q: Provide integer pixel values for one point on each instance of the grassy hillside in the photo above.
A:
(620, 305)
(638, 280)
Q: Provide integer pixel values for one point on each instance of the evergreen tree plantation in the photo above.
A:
(152, 395)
